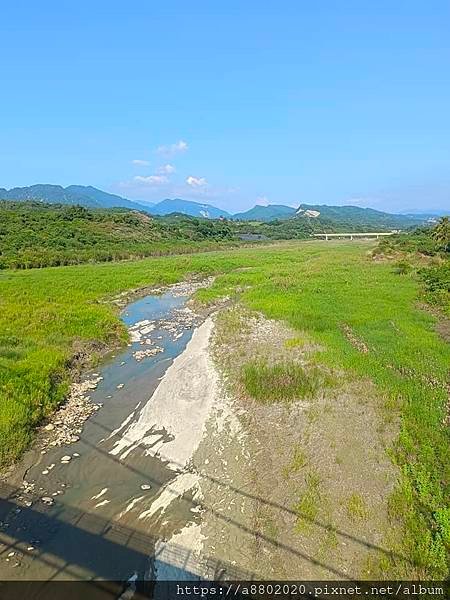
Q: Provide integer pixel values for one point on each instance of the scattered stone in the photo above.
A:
(145, 486)
(140, 354)
(66, 458)
(120, 386)
(45, 472)
(28, 486)
(47, 500)
(73, 413)
(75, 455)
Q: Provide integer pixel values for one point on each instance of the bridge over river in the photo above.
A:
(351, 236)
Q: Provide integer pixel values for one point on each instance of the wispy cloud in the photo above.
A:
(196, 182)
(172, 149)
(140, 163)
(151, 179)
(166, 169)
(262, 201)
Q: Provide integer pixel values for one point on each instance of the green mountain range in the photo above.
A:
(91, 197)
(365, 217)
(87, 196)
(188, 207)
(266, 213)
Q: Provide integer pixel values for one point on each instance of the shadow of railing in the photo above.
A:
(94, 549)
(325, 526)
(95, 546)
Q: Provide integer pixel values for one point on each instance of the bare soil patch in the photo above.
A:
(299, 489)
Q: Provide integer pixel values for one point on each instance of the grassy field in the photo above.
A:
(362, 312)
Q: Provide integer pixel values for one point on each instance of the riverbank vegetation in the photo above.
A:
(425, 252)
(362, 313)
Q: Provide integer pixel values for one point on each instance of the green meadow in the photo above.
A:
(363, 313)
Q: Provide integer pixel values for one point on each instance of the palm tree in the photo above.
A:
(441, 233)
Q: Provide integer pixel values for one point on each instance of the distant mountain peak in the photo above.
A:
(269, 212)
(84, 195)
(188, 207)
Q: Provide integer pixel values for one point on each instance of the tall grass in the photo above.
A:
(284, 381)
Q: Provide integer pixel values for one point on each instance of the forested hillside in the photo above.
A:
(33, 234)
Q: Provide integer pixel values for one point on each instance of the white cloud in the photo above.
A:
(196, 182)
(262, 201)
(151, 179)
(140, 163)
(166, 169)
(171, 149)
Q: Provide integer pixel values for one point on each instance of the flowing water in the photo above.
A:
(112, 505)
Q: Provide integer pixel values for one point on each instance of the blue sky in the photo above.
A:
(230, 102)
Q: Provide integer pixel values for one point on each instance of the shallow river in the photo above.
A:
(118, 499)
